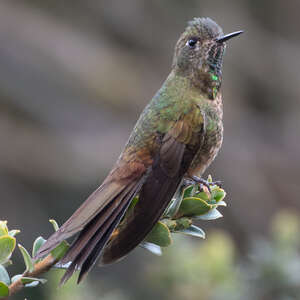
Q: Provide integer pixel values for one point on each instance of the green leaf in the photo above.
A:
(209, 178)
(37, 245)
(54, 224)
(3, 228)
(159, 235)
(32, 282)
(169, 212)
(154, 249)
(193, 206)
(218, 194)
(4, 277)
(173, 206)
(60, 250)
(13, 232)
(188, 191)
(177, 224)
(202, 195)
(193, 231)
(4, 290)
(7, 263)
(7, 246)
(28, 281)
(27, 259)
(211, 215)
(222, 203)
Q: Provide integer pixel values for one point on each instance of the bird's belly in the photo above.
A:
(208, 151)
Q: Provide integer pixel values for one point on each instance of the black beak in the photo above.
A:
(229, 36)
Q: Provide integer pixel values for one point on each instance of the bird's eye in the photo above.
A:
(192, 42)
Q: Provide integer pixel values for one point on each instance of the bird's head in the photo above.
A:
(199, 53)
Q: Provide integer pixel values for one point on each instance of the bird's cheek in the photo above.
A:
(185, 59)
(182, 62)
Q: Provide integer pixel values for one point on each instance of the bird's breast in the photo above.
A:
(211, 140)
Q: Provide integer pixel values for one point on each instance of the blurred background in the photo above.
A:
(74, 77)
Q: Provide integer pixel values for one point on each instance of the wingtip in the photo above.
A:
(81, 276)
(71, 269)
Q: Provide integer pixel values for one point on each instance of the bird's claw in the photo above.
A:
(187, 182)
(206, 183)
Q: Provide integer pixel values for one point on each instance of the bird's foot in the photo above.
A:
(187, 182)
(204, 182)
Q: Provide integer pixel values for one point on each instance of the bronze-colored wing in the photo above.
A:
(177, 150)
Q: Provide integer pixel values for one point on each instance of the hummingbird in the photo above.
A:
(176, 137)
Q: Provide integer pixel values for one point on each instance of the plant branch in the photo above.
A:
(39, 268)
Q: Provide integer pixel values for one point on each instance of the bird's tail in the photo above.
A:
(95, 219)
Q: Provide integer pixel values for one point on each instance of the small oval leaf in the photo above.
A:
(189, 191)
(54, 224)
(203, 195)
(4, 290)
(211, 215)
(60, 250)
(27, 259)
(37, 245)
(4, 277)
(169, 212)
(32, 282)
(7, 263)
(3, 228)
(193, 206)
(159, 235)
(154, 249)
(173, 206)
(7, 246)
(193, 231)
(13, 232)
(179, 224)
(218, 194)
